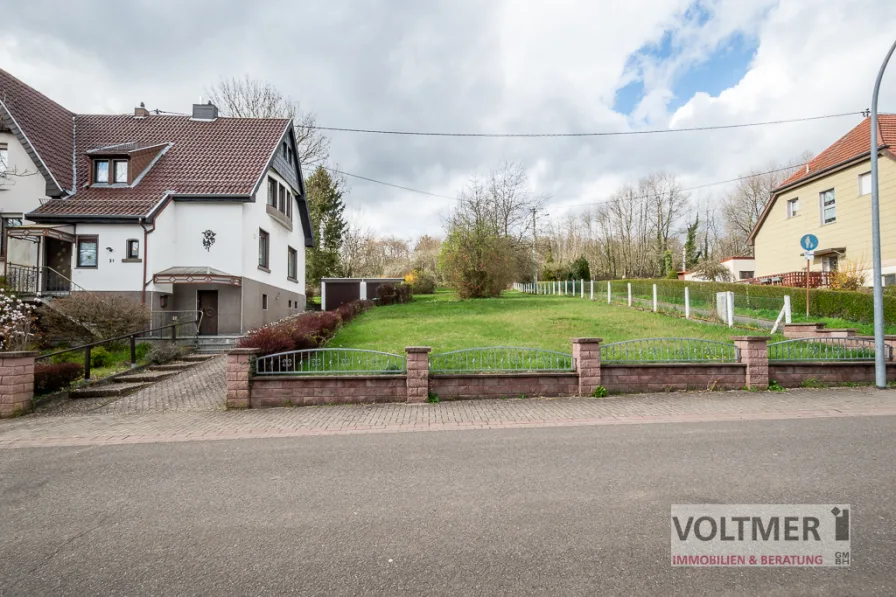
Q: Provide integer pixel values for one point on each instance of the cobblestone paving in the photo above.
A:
(109, 426)
(200, 388)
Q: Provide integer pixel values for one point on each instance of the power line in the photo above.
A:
(592, 134)
(388, 184)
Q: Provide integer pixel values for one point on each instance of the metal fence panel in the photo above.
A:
(669, 350)
(330, 361)
(500, 359)
(824, 348)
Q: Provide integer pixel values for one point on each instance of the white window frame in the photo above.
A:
(821, 205)
(861, 178)
(96, 171)
(791, 213)
(4, 160)
(115, 165)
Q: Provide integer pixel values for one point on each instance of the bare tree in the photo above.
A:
(511, 201)
(251, 98)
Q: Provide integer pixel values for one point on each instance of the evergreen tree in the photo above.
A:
(690, 245)
(326, 209)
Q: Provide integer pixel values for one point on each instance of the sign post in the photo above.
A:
(808, 242)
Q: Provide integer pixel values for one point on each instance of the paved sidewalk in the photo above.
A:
(116, 428)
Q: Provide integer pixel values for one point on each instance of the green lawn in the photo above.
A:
(543, 321)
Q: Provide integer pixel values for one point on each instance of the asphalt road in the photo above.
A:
(562, 511)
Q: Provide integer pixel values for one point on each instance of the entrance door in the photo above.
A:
(58, 258)
(207, 303)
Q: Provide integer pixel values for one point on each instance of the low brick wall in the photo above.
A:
(283, 390)
(660, 377)
(504, 385)
(792, 374)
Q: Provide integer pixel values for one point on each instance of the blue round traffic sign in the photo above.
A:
(809, 242)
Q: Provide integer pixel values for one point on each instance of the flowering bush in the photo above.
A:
(16, 318)
(49, 377)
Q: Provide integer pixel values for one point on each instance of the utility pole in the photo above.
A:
(534, 242)
(880, 365)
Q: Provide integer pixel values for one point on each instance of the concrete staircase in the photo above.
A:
(215, 344)
(128, 383)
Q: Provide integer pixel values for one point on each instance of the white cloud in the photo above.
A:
(465, 65)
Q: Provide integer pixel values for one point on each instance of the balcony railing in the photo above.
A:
(28, 280)
(793, 279)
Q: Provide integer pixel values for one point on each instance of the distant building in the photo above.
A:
(740, 268)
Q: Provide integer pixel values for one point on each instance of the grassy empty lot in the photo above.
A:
(445, 323)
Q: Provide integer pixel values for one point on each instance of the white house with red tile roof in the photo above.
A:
(185, 213)
(831, 198)
(739, 268)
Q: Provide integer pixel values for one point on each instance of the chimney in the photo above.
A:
(207, 111)
(141, 111)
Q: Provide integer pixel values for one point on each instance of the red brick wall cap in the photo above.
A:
(587, 340)
(18, 354)
(417, 349)
(750, 338)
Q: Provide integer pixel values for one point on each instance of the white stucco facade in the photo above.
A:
(20, 195)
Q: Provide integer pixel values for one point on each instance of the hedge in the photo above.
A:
(841, 304)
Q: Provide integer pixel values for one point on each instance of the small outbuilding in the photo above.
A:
(338, 291)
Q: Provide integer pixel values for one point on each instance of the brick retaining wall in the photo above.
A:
(283, 390)
(504, 385)
(660, 377)
(793, 374)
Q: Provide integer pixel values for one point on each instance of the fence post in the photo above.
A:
(174, 333)
(787, 312)
(586, 355)
(609, 292)
(417, 373)
(17, 387)
(565, 287)
(654, 298)
(753, 351)
(133, 342)
(629, 293)
(239, 367)
(687, 303)
(730, 303)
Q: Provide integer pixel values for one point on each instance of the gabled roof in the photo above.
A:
(851, 147)
(225, 157)
(44, 128)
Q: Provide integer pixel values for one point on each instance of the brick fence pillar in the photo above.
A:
(418, 373)
(586, 355)
(754, 353)
(239, 367)
(16, 382)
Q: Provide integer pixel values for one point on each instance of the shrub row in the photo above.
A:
(50, 377)
(842, 304)
(308, 330)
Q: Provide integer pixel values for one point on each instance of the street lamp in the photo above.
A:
(880, 365)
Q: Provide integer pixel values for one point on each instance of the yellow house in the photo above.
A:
(830, 197)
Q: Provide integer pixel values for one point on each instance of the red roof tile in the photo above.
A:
(850, 146)
(46, 125)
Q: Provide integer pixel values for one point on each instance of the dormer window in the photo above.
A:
(101, 171)
(121, 171)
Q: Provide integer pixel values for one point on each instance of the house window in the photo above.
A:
(285, 150)
(101, 171)
(121, 171)
(746, 275)
(264, 302)
(290, 156)
(830, 263)
(163, 301)
(6, 224)
(132, 249)
(282, 206)
(828, 207)
(865, 184)
(289, 205)
(264, 249)
(793, 207)
(292, 264)
(272, 192)
(4, 160)
(87, 251)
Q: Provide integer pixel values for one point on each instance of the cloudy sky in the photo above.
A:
(486, 66)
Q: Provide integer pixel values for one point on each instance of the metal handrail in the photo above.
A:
(132, 338)
(825, 348)
(500, 359)
(330, 361)
(669, 350)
